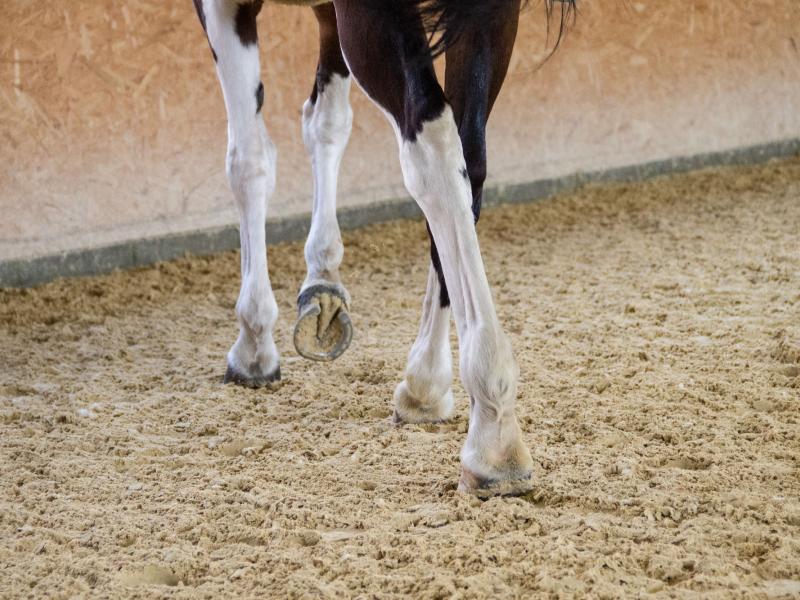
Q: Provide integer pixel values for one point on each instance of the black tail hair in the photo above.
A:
(446, 20)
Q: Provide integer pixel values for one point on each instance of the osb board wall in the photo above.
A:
(112, 124)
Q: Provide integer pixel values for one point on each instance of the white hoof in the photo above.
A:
(489, 471)
(408, 409)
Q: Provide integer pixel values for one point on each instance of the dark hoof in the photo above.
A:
(489, 488)
(233, 376)
(323, 330)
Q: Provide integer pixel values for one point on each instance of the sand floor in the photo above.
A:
(657, 327)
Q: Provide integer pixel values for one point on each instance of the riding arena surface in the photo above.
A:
(657, 329)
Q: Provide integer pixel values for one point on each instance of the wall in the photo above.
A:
(112, 125)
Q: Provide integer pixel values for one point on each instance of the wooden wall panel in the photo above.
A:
(112, 125)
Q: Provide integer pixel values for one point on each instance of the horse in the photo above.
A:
(388, 48)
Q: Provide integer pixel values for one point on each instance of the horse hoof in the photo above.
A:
(233, 376)
(408, 409)
(489, 488)
(323, 330)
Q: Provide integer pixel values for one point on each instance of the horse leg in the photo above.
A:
(323, 330)
(424, 395)
(477, 64)
(250, 165)
(382, 46)
(476, 67)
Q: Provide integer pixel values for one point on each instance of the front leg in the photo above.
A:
(231, 28)
(323, 330)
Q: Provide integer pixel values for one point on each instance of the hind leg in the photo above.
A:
(476, 67)
(231, 28)
(383, 57)
(424, 395)
(477, 64)
(323, 330)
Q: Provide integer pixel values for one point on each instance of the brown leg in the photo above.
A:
(476, 67)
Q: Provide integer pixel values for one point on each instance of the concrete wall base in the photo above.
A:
(141, 252)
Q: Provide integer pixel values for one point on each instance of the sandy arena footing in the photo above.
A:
(657, 327)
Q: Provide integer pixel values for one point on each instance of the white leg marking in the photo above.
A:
(326, 130)
(323, 330)
(434, 171)
(250, 168)
(494, 457)
(424, 395)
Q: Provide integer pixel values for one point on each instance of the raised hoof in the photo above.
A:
(270, 381)
(408, 409)
(488, 488)
(323, 330)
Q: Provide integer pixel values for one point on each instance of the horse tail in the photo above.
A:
(446, 20)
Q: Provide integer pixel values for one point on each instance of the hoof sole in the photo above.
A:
(233, 376)
(323, 330)
(488, 488)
